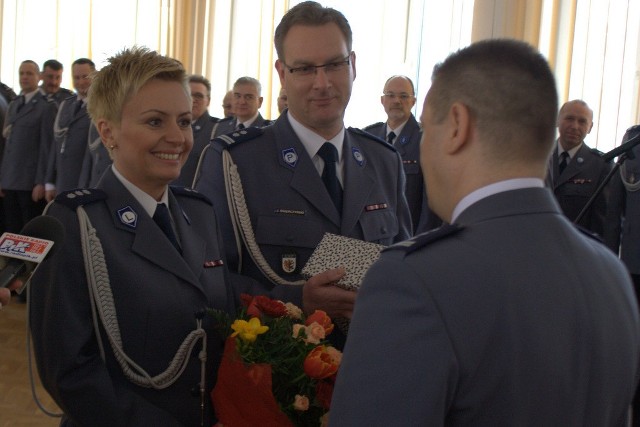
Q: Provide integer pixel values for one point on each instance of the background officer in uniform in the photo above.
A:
(71, 134)
(28, 130)
(51, 77)
(246, 101)
(576, 178)
(511, 316)
(403, 132)
(163, 258)
(282, 170)
(203, 125)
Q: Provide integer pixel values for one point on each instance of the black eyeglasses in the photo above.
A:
(311, 70)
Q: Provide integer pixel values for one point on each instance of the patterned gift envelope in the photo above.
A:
(333, 251)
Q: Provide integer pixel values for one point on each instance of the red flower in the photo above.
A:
(322, 319)
(321, 362)
(260, 304)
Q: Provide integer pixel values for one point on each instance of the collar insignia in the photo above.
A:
(290, 157)
(128, 217)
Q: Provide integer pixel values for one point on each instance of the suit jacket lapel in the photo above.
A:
(148, 240)
(358, 183)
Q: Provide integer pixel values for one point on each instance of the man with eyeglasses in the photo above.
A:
(246, 101)
(403, 132)
(202, 125)
(307, 174)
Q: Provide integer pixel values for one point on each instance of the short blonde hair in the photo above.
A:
(123, 77)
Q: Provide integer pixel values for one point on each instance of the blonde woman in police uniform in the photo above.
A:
(141, 106)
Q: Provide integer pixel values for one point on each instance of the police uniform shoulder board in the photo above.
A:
(588, 233)
(596, 152)
(80, 197)
(372, 137)
(424, 239)
(236, 137)
(189, 192)
(373, 126)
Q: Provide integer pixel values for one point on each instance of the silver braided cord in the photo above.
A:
(630, 186)
(104, 310)
(241, 222)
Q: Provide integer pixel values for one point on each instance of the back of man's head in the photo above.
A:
(510, 92)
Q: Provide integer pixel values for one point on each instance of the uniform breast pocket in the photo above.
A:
(379, 226)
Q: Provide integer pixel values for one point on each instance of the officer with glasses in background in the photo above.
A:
(402, 130)
(307, 174)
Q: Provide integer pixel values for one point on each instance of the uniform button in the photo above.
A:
(383, 229)
(195, 391)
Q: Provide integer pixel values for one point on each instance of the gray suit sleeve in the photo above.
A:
(399, 363)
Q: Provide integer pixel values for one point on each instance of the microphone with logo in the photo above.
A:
(21, 253)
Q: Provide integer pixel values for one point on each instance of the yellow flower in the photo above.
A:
(248, 331)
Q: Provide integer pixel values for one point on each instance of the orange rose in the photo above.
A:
(301, 403)
(315, 333)
(322, 319)
(320, 363)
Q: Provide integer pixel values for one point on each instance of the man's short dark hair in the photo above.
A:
(509, 89)
(53, 64)
(312, 14)
(197, 78)
(83, 61)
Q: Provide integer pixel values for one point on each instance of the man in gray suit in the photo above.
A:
(288, 187)
(403, 131)
(510, 316)
(576, 170)
(28, 130)
(247, 100)
(71, 134)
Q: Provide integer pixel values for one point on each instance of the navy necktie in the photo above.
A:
(329, 154)
(391, 137)
(240, 126)
(162, 217)
(564, 161)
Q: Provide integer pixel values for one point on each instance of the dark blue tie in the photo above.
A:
(329, 154)
(162, 217)
(391, 137)
(564, 160)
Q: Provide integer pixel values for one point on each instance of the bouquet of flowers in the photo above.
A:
(277, 368)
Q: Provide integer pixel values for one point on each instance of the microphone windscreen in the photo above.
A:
(45, 227)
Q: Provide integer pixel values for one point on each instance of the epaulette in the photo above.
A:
(238, 136)
(225, 119)
(596, 152)
(375, 125)
(372, 137)
(80, 197)
(189, 192)
(588, 233)
(424, 239)
(69, 97)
